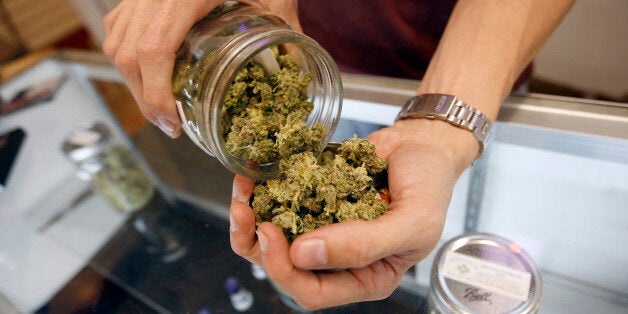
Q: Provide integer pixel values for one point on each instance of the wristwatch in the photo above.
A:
(450, 109)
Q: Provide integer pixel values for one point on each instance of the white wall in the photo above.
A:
(92, 12)
(589, 50)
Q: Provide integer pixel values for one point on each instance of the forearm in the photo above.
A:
(485, 47)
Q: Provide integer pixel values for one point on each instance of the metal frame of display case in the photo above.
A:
(543, 112)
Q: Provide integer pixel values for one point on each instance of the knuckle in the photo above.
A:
(107, 21)
(280, 276)
(154, 97)
(237, 249)
(363, 253)
(308, 303)
(124, 59)
(240, 249)
(146, 113)
(149, 50)
(383, 292)
(109, 47)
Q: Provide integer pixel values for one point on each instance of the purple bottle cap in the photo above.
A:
(232, 285)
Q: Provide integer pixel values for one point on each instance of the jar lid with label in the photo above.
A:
(484, 273)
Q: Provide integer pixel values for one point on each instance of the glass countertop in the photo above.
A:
(554, 179)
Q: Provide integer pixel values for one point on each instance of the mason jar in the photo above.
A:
(217, 48)
(485, 274)
(110, 167)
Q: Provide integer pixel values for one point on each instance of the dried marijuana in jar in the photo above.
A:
(264, 113)
(227, 94)
(346, 184)
(109, 166)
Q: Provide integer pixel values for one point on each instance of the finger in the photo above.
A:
(243, 188)
(242, 232)
(285, 9)
(319, 290)
(359, 243)
(242, 222)
(127, 58)
(156, 55)
(117, 30)
(110, 19)
(122, 54)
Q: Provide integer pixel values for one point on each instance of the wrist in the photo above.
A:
(455, 145)
(450, 109)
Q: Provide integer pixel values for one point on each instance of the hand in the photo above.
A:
(143, 37)
(368, 258)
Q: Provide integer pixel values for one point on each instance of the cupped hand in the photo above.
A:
(143, 37)
(368, 258)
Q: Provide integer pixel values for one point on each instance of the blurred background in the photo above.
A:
(586, 56)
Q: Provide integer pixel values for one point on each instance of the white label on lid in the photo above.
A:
(487, 275)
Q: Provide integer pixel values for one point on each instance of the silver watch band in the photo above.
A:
(450, 109)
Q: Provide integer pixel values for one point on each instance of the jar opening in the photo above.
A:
(324, 92)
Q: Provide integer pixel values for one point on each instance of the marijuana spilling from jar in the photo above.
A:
(264, 113)
(346, 182)
(233, 69)
(264, 100)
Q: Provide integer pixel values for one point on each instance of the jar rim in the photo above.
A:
(87, 141)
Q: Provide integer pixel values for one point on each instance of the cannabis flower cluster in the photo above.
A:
(330, 188)
(263, 115)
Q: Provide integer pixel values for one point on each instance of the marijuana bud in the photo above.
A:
(263, 115)
(329, 188)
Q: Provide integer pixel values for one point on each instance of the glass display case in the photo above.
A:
(554, 179)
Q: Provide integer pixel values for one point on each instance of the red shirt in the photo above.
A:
(379, 37)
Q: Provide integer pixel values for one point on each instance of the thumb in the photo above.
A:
(355, 244)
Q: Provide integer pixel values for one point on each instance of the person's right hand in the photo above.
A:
(143, 37)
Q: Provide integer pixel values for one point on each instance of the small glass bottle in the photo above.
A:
(214, 51)
(109, 166)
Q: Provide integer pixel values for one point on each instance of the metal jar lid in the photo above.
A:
(87, 141)
(484, 273)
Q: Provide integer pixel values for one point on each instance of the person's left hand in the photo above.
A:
(368, 258)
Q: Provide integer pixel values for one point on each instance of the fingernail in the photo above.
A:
(233, 226)
(312, 253)
(166, 126)
(263, 240)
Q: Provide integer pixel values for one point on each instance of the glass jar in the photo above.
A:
(217, 48)
(109, 167)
